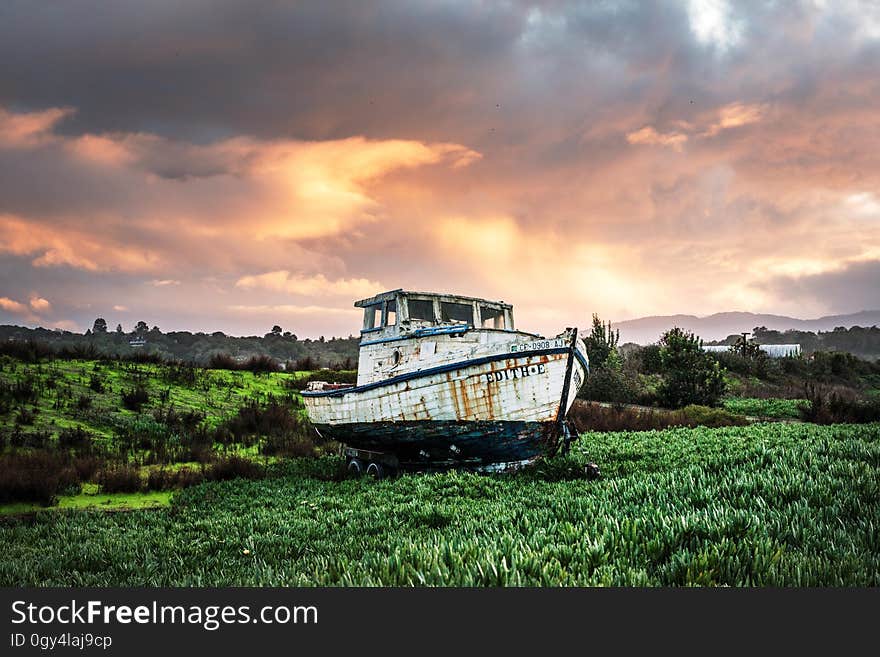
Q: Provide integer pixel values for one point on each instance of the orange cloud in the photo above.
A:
(39, 304)
(71, 246)
(29, 129)
(12, 306)
(317, 285)
(648, 135)
(734, 115)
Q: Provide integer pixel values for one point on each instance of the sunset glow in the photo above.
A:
(199, 173)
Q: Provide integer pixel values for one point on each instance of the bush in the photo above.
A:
(120, 479)
(83, 403)
(135, 398)
(695, 415)
(74, 438)
(691, 376)
(261, 364)
(30, 351)
(607, 385)
(87, 466)
(26, 417)
(234, 467)
(588, 416)
(838, 405)
(34, 477)
(96, 384)
(222, 362)
(164, 479)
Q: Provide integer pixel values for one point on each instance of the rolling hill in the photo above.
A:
(646, 330)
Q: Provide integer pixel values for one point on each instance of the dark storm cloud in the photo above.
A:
(200, 70)
(851, 289)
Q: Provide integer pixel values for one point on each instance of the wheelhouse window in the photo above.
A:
(390, 313)
(421, 309)
(457, 312)
(373, 316)
(492, 318)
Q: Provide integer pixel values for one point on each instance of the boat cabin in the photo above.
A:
(399, 313)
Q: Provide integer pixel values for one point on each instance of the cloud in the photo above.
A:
(12, 306)
(72, 244)
(165, 282)
(648, 135)
(316, 285)
(39, 304)
(138, 202)
(120, 308)
(293, 310)
(623, 158)
(850, 288)
(29, 129)
(734, 115)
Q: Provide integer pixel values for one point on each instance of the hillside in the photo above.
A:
(196, 347)
(646, 330)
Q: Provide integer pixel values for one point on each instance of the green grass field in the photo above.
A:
(782, 409)
(61, 383)
(769, 504)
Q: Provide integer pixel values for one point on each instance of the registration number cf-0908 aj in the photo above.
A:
(536, 345)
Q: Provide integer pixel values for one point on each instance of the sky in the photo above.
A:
(237, 164)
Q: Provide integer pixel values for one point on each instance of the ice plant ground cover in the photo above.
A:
(768, 504)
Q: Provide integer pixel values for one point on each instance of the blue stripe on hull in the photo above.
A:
(425, 442)
(449, 367)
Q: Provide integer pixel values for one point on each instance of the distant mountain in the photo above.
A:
(646, 330)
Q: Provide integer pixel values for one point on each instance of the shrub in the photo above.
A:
(74, 438)
(184, 374)
(26, 417)
(222, 362)
(135, 398)
(608, 385)
(95, 383)
(695, 415)
(261, 364)
(35, 476)
(165, 479)
(86, 351)
(87, 466)
(588, 416)
(120, 478)
(234, 467)
(838, 405)
(83, 403)
(691, 376)
(30, 351)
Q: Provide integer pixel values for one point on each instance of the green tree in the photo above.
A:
(690, 375)
(100, 325)
(141, 327)
(119, 328)
(602, 345)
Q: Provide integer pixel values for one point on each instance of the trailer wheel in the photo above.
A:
(376, 471)
(355, 468)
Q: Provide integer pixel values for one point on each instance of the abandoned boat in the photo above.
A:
(446, 381)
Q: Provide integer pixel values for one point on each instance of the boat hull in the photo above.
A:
(502, 405)
(450, 443)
